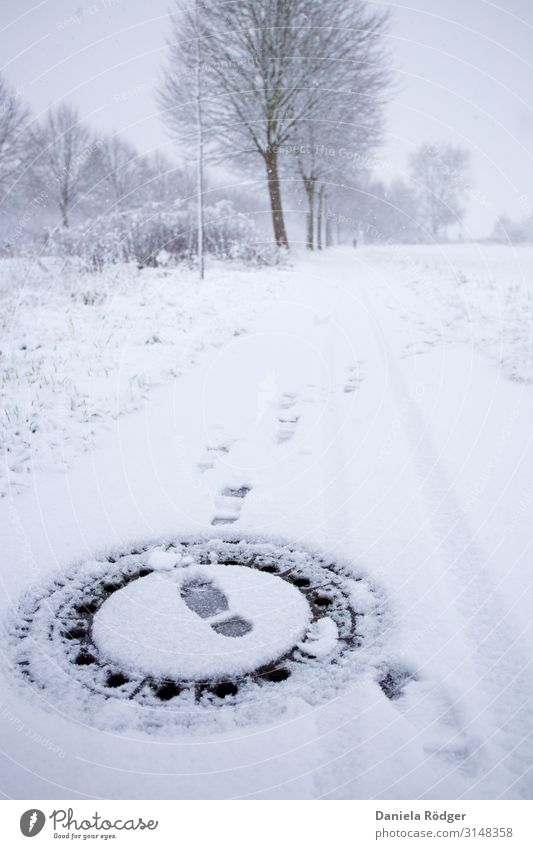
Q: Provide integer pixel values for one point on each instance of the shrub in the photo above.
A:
(154, 234)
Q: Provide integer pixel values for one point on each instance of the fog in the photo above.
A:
(463, 76)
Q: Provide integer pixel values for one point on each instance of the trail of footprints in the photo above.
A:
(442, 728)
(228, 504)
(355, 377)
(211, 456)
(448, 739)
(287, 418)
(229, 501)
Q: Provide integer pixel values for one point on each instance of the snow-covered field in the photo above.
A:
(368, 409)
(78, 350)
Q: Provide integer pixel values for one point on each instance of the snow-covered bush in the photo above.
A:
(233, 235)
(155, 235)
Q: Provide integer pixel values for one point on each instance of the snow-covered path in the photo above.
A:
(414, 469)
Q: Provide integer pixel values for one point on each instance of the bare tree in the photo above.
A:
(122, 170)
(439, 172)
(319, 217)
(512, 232)
(334, 139)
(182, 97)
(164, 180)
(266, 66)
(199, 139)
(14, 118)
(261, 57)
(66, 155)
(330, 154)
(400, 220)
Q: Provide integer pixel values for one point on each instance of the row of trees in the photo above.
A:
(294, 86)
(420, 207)
(274, 82)
(299, 88)
(507, 230)
(60, 169)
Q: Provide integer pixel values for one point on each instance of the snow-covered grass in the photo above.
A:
(79, 349)
(478, 295)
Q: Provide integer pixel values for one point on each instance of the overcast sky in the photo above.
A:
(464, 72)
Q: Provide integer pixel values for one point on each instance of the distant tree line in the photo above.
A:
(418, 208)
(298, 89)
(288, 95)
(59, 171)
(65, 188)
(509, 231)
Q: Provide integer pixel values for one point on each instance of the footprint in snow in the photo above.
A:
(209, 602)
(211, 456)
(229, 504)
(288, 400)
(441, 730)
(287, 418)
(355, 377)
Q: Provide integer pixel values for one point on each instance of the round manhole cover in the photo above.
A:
(176, 631)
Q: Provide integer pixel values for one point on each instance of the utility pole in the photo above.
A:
(200, 148)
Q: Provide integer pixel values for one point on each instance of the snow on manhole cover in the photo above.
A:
(170, 633)
(200, 622)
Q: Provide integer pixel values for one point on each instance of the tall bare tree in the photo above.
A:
(182, 95)
(122, 170)
(252, 72)
(14, 117)
(439, 172)
(198, 96)
(333, 140)
(165, 181)
(259, 58)
(280, 64)
(330, 154)
(66, 156)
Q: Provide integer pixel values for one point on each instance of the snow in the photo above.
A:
(376, 406)
(81, 349)
(163, 560)
(321, 638)
(147, 626)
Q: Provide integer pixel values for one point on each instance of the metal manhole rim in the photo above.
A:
(156, 691)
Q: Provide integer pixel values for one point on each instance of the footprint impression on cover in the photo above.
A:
(209, 602)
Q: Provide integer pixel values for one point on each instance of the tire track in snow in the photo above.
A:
(334, 460)
(502, 670)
